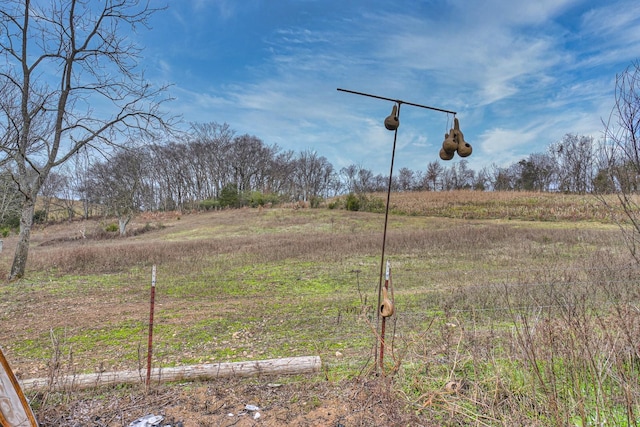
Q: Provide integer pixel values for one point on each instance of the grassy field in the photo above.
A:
(511, 308)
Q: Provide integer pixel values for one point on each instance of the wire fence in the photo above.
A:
(337, 323)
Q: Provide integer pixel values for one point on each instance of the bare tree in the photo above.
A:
(406, 179)
(349, 174)
(458, 177)
(482, 180)
(70, 79)
(574, 156)
(50, 192)
(313, 175)
(77, 171)
(211, 143)
(538, 170)
(117, 184)
(248, 157)
(365, 182)
(621, 151)
(434, 174)
(281, 171)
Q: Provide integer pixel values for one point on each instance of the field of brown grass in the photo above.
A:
(527, 302)
(526, 206)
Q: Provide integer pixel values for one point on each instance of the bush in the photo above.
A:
(373, 204)
(229, 196)
(12, 222)
(352, 203)
(111, 228)
(256, 198)
(209, 204)
(315, 201)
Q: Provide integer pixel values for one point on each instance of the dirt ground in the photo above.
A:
(305, 402)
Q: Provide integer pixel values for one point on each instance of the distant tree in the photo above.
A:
(574, 156)
(117, 184)
(434, 175)
(482, 180)
(77, 172)
(10, 199)
(50, 191)
(248, 158)
(420, 182)
(313, 175)
(282, 168)
(465, 175)
(365, 182)
(458, 177)
(214, 142)
(349, 176)
(406, 179)
(380, 183)
(171, 175)
(605, 182)
(503, 179)
(70, 78)
(536, 172)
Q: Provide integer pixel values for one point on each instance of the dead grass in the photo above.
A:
(527, 206)
(536, 321)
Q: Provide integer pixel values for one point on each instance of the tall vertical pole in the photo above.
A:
(384, 243)
(380, 338)
(150, 344)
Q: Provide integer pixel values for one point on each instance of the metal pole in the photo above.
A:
(397, 101)
(384, 243)
(150, 344)
(386, 214)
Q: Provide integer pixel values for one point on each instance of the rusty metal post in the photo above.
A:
(384, 320)
(150, 344)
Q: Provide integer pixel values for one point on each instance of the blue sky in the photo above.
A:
(520, 74)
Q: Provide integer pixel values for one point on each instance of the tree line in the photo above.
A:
(212, 167)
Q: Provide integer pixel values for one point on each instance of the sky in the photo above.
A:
(519, 74)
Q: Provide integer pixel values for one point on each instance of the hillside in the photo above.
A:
(471, 275)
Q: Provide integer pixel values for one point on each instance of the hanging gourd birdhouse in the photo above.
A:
(392, 122)
(386, 306)
(454, 143)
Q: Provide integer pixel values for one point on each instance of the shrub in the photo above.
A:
(12, 222)
(229, 196)
(256, 198)
(209, 204)
(111, 228)
(352, 203)
(373, 204)
(315, 201)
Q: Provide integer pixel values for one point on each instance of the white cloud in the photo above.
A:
(520, 74)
